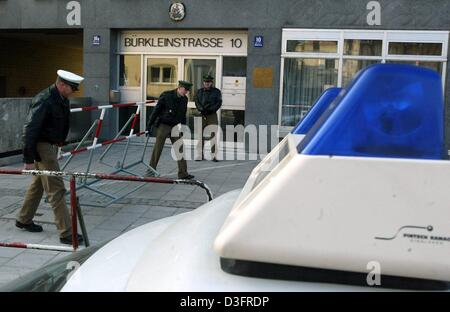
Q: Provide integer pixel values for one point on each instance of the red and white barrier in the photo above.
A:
(74, 201)
(74, 152)
(91, 108)
(100, 123)
(103, 176)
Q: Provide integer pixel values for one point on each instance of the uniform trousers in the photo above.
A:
(211, 121)
(53, 187)
(163, 132)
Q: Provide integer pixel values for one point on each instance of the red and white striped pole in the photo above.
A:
(136, 115)
(36, 246)
(91, 108)
(74, 152)
(99, 127)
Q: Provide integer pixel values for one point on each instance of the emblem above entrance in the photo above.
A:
(177, 11)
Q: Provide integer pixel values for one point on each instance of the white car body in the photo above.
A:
(176, 254)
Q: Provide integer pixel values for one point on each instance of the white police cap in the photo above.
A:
(70, 78)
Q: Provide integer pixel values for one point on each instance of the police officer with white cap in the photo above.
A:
(46, 128)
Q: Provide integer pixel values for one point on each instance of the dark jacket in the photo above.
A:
(170, 110)
(48, 121)
(208, 101)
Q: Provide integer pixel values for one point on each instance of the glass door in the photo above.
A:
(161, 74)
(194, 68)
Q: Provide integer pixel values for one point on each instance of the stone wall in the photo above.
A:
(13, 114)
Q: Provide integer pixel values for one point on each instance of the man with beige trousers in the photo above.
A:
(46, 129)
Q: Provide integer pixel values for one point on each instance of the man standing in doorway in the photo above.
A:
(169, 112)
(46, 129)
(208, 101)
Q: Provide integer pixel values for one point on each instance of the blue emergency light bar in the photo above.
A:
(388, 110)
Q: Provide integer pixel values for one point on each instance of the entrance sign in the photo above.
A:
(185, 42)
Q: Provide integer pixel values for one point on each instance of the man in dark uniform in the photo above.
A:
(208, 101)
(47, 128)
(168, 113)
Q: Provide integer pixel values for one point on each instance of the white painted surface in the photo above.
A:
(325, 212)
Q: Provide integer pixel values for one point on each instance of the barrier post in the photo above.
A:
(73, 205)
(82, 224)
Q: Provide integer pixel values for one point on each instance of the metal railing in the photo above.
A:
(76, 213)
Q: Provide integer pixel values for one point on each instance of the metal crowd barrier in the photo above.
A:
(121, 167)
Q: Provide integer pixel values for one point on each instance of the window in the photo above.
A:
(305, 80)
(363, 47)
(314, 60)
(130, 70)
(162, 73)
(312, 46)
(414, 48)
(351, 67)
(195, 69)
(234, 66)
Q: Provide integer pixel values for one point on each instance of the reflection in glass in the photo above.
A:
(130, 70)
(363, 47)
(234, 66)
(415, 48)
(351, 67)
(314, 46)
(194, 70)
(304, 80)
(161, 76)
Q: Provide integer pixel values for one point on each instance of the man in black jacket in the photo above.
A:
(208, 101)
(168, 113)
(47, 128)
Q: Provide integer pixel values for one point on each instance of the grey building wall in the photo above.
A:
(259, 17)
(13, 112)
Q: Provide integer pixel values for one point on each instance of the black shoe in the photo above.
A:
(68, 239)
(188, 177)
(215, 160)
(32, 227)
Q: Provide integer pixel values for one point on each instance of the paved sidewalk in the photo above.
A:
(148, 203)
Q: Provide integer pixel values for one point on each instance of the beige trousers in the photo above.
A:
(53, 187)
(162, 133)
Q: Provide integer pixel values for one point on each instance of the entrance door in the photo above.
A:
(163, 72)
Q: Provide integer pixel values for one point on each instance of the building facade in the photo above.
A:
(271, 59)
